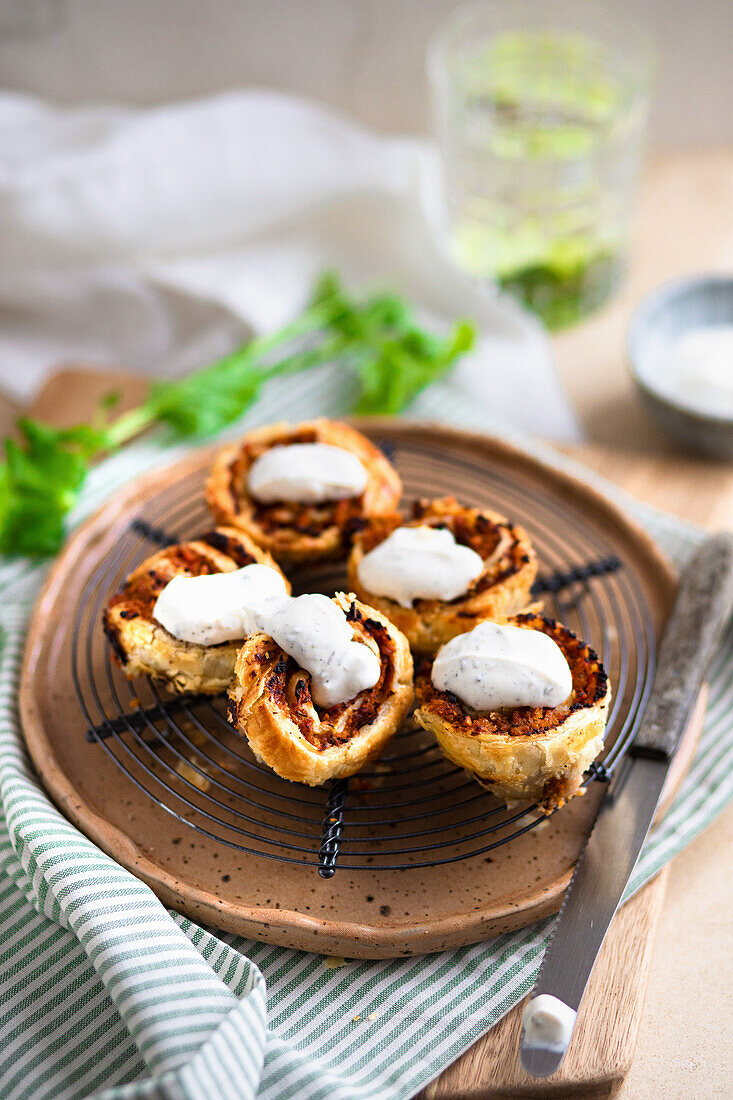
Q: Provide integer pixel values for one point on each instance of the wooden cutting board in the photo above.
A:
(608, 1023)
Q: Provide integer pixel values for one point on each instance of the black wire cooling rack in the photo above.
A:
(411, 809)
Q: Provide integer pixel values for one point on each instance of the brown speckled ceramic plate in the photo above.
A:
(424, 862)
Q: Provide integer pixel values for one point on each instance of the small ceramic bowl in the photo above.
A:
(661, 318)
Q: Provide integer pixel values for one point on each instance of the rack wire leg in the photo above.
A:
(333, 822)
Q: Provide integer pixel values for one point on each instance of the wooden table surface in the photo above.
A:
(684, 224)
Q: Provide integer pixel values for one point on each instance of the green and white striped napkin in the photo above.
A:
(104, 992)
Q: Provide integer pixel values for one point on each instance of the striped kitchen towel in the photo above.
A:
(104, 992)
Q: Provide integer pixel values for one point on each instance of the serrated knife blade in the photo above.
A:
(702, 608)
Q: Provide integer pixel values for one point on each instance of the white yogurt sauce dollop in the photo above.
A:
(548, 1023)
(495, 666)
(317, 634)
(697, 370)
(216, 607)
(419, 563)
(306, 472)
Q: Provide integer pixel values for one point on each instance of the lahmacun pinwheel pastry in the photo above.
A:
(182, 615)
(443, 571)
(522, 706)
(299, 490)
(320, 692)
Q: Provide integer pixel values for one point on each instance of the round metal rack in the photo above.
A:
(412, 808)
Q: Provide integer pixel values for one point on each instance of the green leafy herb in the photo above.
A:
(40, 482)
(392, 357)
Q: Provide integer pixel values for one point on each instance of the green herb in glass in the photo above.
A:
(540, 113)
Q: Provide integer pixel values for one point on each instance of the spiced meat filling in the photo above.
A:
(590, 685)
(288, 686)
(309, 520)
(496, 542)
(138, 596)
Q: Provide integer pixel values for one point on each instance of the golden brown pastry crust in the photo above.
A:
(502, 589)
(297, 532)
(270, 703)
(142, 647)
(525, 753)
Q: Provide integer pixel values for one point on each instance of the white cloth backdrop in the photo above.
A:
(159, 238)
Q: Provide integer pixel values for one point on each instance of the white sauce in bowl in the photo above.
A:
(495, 666)
(696, 371)
(419, 563)
(309, 473)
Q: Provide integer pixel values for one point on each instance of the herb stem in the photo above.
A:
(130, 424)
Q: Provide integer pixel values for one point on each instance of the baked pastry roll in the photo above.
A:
(143, 647)
(291, 530)
(271, 703)
(501, 589)
(537, 754)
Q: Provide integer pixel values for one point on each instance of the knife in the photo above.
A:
(701, 611)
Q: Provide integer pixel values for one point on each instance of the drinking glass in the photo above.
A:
(540, 110)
